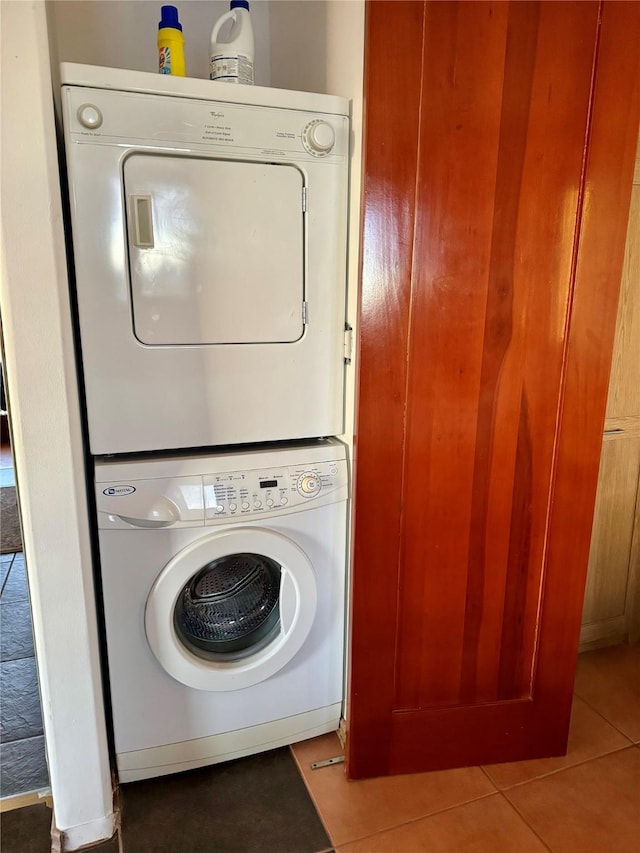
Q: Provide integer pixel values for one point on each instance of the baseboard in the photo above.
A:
(88, 834)
(606, 632)
(33, 798)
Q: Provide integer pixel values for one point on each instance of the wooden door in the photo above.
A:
(499, 150)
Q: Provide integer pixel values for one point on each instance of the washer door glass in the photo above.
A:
(231, 607)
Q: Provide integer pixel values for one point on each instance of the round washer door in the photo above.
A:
(232, 609)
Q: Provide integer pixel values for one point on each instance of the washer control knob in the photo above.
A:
(89, 116)
(308, 485)
(318, 138)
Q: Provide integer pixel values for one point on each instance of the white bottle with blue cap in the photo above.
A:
(232, 52)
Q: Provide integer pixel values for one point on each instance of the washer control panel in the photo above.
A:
(270, 490)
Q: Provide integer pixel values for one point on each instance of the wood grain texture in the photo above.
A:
(609, 168)
(388, 228)
(483, 369)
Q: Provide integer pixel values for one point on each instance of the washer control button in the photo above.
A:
(89, 116)
(219, 508)
(257, 504)
(233, 507)
(284, 501)
(269, 502)
(245, 505)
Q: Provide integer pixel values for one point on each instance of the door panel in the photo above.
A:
(215, 250)
(475, 253)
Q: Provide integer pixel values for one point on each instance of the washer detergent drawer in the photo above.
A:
(215, 250)
(148, 504)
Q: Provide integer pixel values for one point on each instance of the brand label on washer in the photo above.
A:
(119, 490)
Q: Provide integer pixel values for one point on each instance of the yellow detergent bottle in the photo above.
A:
(170, 43)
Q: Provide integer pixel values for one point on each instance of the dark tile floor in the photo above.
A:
(22, 756)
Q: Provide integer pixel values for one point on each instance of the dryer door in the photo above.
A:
(232, 609)
(215, 250)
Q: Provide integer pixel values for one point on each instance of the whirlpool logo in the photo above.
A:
(118, 491)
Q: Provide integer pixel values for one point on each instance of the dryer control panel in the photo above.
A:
(271, 490)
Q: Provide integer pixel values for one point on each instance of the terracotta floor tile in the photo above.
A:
(609, 681)
(353, 810)
(591, 808)
(484, 826)
(589, 737)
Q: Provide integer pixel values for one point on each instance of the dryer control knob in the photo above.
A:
(308, 485)
(89, 116)
(318, 138)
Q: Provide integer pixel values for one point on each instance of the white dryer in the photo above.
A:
(224, 597)
(209, 243)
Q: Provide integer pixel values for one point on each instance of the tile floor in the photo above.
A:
(22, 756)
(585, 802)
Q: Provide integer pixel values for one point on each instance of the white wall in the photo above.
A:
(47, 445)
(318, 46)
(123, 33)
(329, 38)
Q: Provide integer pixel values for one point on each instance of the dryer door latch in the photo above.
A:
(348, 342)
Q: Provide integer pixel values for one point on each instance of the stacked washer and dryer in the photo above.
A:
(209, 246)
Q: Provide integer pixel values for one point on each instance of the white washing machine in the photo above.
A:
(209, 240)
(224, 597)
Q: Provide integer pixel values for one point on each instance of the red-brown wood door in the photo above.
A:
(499, 148)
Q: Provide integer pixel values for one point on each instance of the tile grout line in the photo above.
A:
(310, 794)
(525, 821)
(486, 773)
(555, 773)
(562, 769)
(422, 817)
(606, 719)
(4, 583)
(20, 657)
(6, 742)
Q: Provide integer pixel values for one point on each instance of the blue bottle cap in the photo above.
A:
(169, 15)
(239, 4)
